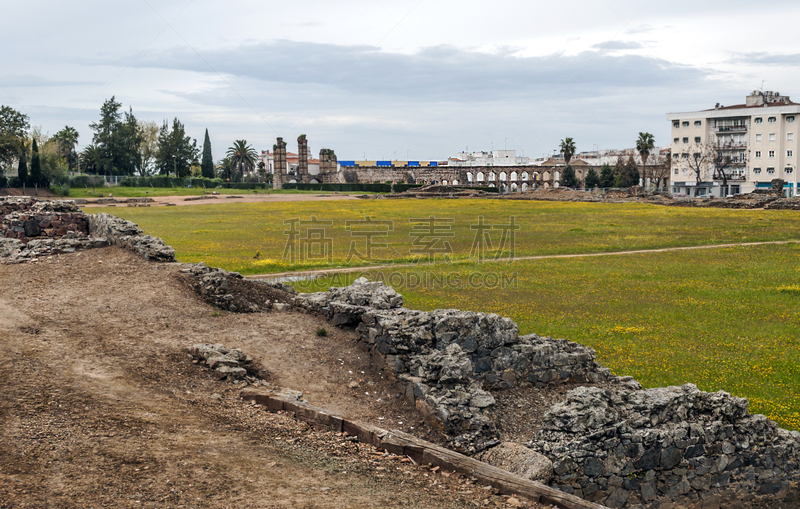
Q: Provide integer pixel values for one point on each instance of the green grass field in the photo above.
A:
(725, 319)
(141, 192)
(230, 235)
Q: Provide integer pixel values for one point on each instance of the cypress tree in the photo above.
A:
(22, 169)
(607, 176)
(36, 166)
(207, 166)
(592, 179)
(568, 178)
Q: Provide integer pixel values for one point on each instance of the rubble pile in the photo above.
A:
(641, 448)
(231, 292)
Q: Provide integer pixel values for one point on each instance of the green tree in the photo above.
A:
(117, 139)
(22, 168)
(66, 139)
(35, 178)
(13, 128)
(567, 149)
(568, 178)
(644, 145)
(91, 160)
(224, 168)
(607, 176)
(242, 157)
(207, 164)
(592, 179)
(148, 146)
(176, 151)
(628, 173)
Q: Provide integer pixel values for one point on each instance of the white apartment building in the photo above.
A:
(493, 158)
(757, 140)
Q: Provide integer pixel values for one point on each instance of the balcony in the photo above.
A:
(731, 129)
(733, 146)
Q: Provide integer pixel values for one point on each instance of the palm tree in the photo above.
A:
(91, 158)
(242, 156)
(66, 138)
(644, 145)
(568, 149)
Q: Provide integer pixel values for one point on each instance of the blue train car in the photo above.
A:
(384, 164)
(413, 163)
(347, 163)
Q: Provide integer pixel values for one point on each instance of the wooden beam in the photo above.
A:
(421, 451)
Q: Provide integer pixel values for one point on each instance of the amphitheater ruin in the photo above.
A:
(605, 442)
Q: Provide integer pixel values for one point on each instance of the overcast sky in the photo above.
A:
(390, 79)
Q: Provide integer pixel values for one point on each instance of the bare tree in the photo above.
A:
(659, 171)
(697, 158)
(723, 157)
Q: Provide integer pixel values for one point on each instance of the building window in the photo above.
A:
(758, 137)
(758, 154)
(790, 119)
(675, 171)
(686, 140)
(756, 170)
(788, 170)
(697, 139)
(698, 123)
(758, 120)
(676, 140)
(771, 136)
(686, 123)
(685, 155)
(772, 120)
(790, 153)
(771, 170)
(772, 154)
(676, 124)
(789, 136)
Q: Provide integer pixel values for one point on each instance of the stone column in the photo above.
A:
(302, 158)
(279, 159)
(327, 166)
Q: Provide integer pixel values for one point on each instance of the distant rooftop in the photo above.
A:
(759, 99)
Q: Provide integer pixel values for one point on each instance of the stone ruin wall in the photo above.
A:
(25, 219)
(615, 444)
(34, 228)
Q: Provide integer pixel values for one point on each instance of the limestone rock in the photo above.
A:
(519, 460)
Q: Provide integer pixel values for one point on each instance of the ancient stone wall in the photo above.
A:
(34, 228)
(128, 235)
(25, 218)
(446, 358)
(676, 446)
(328, 168)
(614, 444)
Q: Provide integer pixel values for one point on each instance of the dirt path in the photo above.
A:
(102, 407)
(228, 198)
(344, 270)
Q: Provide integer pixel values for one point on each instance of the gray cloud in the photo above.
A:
(39, 81)
(615, 45)
(764, 58)
(440, 73)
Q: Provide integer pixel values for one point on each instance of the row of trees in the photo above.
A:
(622, 174)
(121, 145)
